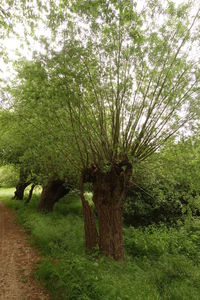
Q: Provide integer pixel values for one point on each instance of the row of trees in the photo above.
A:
(120, 84)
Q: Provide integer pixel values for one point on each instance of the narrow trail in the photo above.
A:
(17, 260)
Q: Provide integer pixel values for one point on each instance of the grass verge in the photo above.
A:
(161, 262)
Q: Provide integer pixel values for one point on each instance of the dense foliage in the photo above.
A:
(166, 187)
(8, 176)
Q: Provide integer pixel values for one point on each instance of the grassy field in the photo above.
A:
(161, 262)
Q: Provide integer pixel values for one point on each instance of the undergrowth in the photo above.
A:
(161, 262)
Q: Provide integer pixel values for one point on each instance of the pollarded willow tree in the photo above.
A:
(132, 81)
(39, 126)
(126, 79)
(13, 147)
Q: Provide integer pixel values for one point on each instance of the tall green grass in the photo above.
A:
(161, 262)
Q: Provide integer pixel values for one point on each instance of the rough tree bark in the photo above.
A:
(52, 193)
(109, 195)
(22, 184)
(91, 234)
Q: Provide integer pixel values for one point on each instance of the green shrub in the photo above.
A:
(8, 176)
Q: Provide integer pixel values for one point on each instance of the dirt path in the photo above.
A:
(17, 259)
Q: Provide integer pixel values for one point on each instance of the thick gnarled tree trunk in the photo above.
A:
(22, 184)
(109, 195)
(52, 193)
(110, 228)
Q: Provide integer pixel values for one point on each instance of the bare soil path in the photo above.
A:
(17, 259)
